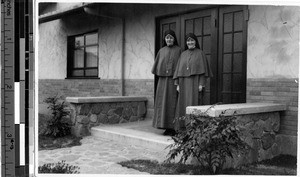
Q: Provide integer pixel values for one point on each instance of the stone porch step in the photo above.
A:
(140, 133)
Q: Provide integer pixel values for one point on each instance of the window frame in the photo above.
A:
(70, 56)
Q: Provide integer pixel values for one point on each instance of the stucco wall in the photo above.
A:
(52, 45)
(273, 42)
(52, 51)
(139, 41)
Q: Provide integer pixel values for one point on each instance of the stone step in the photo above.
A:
(140, 133)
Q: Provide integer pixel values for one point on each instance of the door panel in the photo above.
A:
(232, 55)
(202, 24)
(222, 35)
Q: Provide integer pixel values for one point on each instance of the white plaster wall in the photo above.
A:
(139, 41)
(52, 45)
(273, 42)
(110, 46)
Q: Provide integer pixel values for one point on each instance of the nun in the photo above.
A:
(190, 77)
(166, 94)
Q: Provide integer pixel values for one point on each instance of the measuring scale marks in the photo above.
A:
(16, 85)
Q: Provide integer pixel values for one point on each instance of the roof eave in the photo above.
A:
(62, 13)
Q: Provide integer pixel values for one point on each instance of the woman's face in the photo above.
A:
(191, 43)
(169, 40)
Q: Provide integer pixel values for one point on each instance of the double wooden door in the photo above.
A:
(222, 35)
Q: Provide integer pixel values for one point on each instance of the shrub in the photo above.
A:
(209, 140)
(60, 167)
(58, 125)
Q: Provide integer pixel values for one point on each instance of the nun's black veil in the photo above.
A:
(193, 36)
(172, 33)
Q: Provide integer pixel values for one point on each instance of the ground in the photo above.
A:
(102, 156)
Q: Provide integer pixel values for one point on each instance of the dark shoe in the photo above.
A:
(166, 132)
(173, 132)
(169, 132)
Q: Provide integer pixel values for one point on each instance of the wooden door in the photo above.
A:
(222, 35)
(202, 24)
(232, 54)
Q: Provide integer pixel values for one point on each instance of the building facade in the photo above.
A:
(106, 49)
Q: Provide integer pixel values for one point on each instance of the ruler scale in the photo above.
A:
(7, 89)
(16, 101)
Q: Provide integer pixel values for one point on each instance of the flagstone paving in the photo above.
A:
(100, 156)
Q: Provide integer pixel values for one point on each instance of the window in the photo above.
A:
(83, 56)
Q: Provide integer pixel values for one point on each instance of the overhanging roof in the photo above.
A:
(63, 12)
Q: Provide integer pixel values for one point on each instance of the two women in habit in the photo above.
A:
(181, 80)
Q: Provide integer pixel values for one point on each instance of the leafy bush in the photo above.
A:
(60, 167)
(208, 139)
(58, 125)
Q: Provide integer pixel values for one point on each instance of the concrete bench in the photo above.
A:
(261, 122)
(87, 112)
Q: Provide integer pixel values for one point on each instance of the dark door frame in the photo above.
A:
(215, 23)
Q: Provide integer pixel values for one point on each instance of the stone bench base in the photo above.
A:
(87, 112)
(261, 122)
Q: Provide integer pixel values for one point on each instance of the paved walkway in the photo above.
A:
(100, 156)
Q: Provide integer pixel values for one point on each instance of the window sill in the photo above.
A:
(82, 78)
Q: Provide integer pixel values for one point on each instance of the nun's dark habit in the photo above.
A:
(191, 71)
(166, 94)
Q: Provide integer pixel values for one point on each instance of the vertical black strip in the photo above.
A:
(220, 56)
(202, 33)
(244, 57)
(26, 87)
(70, 55)
(26, 170)
(21, 18)
(17, 42)
(27, 7)
(26, 35)
(232, 54)
(26, 83)
(214, 57)
(26, 58)
(17, 147)
(84, 57)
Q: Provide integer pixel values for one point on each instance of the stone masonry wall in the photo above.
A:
(260, 131)
(87, 115)
(283, 91)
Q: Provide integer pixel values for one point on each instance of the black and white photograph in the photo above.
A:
(166, 88)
